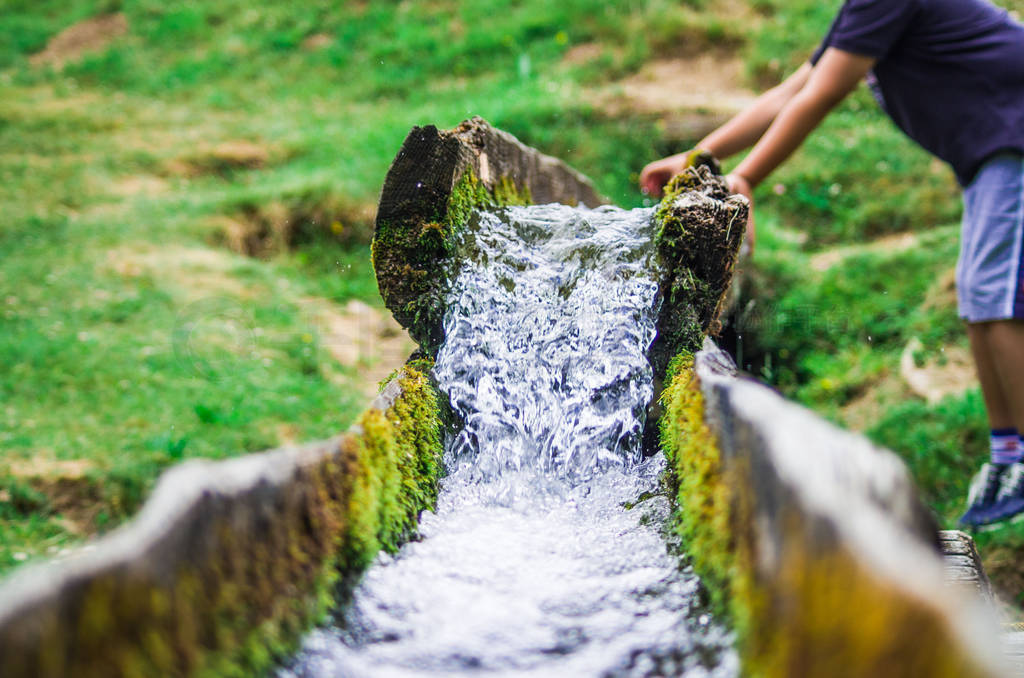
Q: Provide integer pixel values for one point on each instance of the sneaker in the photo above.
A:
(984, 494)
(1010, 499)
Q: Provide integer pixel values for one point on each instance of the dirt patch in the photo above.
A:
(577, 55)
(90, 35)
(288, 434)
(69, 491)
(317, 41)
(29, 469)
(196, 272)
(362, 338)
(257, 233)
(890, 244)
(267, 229)
(222, 158)
(139, 185)
(691, 94)
(707, 83)
(949, 371)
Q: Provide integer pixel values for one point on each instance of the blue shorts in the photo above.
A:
(989, 271)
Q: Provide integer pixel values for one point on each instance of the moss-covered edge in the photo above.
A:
(698, 244)
(398, 454)
(402, 449)
(703, 498)
(245, 598)
(421, 251)
(825, 614)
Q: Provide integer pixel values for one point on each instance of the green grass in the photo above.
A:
(133, 337)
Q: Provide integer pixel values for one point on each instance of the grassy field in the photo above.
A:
(186, 198)
(141, 176)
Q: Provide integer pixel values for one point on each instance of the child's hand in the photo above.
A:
(656, 174)
(654, 177)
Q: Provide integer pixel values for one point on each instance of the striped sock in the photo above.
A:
(1006, 446)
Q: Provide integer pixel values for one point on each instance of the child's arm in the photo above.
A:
(749, 125)
(740, 133)
(835, 76)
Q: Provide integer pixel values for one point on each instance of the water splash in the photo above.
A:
(544, 357)
(532, 565)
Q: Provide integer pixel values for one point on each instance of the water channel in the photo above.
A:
(546, 555)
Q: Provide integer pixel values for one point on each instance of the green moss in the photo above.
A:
(507, 193)
(413, 257)
(701, 493)
(418, 420)
(372, 501)
(698, 231)
(470, 193)
(401, 453)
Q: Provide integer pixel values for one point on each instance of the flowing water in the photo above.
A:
(532, 564)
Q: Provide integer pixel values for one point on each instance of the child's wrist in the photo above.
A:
(744, 178)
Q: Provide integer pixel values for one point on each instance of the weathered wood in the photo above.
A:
(844, 572)
(225, 560)
(434, 180)
(962, 563)
(699, 228)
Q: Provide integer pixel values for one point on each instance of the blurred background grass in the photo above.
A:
(188, 189)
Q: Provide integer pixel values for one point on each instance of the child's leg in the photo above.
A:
(1001, 415)
(998, 348)
(1005, 342)
(990, 292)
(990, 284)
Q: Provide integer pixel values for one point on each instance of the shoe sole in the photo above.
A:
(999, 523)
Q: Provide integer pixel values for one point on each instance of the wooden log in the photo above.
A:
(963, 566)
(434, 182)
(228, 561)
(699, 228)
(836, 564)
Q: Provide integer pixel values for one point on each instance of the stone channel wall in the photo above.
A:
(230, 561)
(812, 539)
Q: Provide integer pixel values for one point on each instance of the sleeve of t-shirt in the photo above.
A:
(827, 41)
(868, 27)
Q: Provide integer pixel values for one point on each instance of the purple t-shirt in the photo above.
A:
(950, 73)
